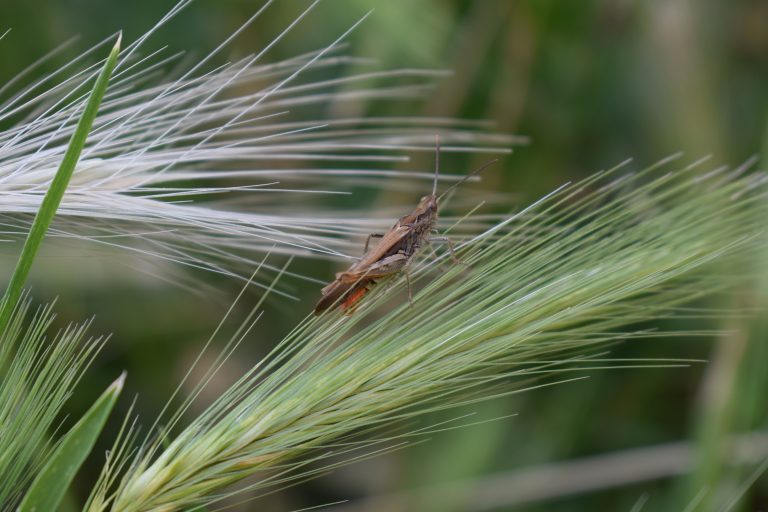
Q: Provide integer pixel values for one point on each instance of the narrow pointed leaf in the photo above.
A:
(55, 192)
(48, 489)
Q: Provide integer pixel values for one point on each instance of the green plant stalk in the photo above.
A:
(737, 406)
(48, 488)
(56, 191)
(734, 402)
(711, 482)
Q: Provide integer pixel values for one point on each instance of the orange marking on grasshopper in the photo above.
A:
(353, 298)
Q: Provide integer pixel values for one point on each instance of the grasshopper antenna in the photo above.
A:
(437, 164)
(465, 178)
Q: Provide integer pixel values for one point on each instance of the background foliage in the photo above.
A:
(591, 83)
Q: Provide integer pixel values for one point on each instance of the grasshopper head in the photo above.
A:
(427, 203)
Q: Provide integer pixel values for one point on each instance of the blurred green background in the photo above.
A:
(591, 83)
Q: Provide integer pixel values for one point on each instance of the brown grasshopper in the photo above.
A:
(393, 253)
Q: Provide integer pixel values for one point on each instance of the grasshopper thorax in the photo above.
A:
(425, 213)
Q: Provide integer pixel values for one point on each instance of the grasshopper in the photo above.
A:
(394, 251)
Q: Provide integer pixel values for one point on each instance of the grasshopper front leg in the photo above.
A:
(368, 240)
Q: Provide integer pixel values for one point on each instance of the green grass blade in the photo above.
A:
(55, 192)
(52, 482)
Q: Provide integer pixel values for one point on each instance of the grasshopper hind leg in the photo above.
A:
(408, 282)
